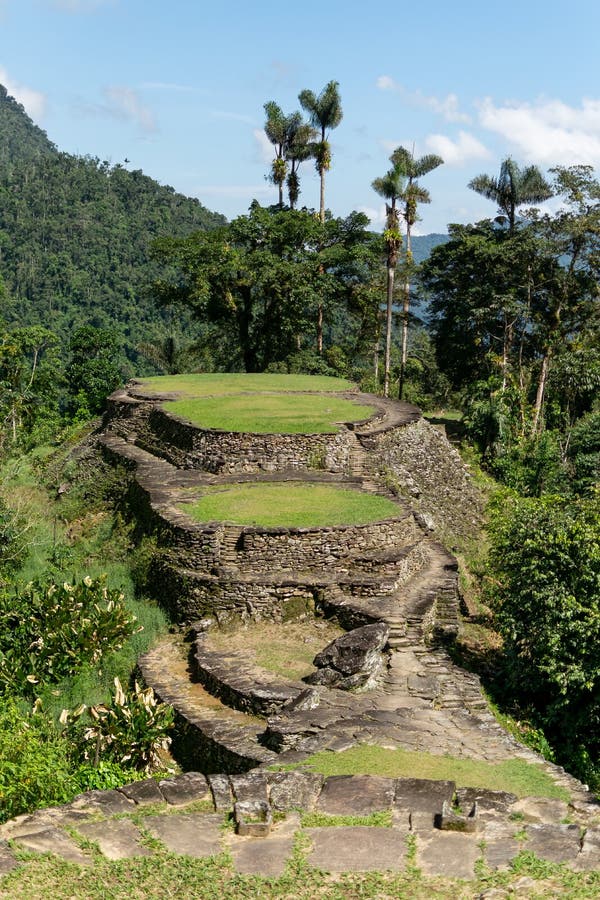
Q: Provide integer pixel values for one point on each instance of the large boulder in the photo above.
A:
(353, 660)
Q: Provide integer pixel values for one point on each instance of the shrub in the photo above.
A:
(34, 763)
(545, 592)
(131, 730)
(49, 631)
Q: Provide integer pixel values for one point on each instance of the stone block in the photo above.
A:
(143, 793)
(187, 788)
(253, 818)
(294, 790)
(356, 795)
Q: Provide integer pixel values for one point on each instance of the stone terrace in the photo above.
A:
(234, 715)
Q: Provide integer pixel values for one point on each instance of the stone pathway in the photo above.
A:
(119, 822)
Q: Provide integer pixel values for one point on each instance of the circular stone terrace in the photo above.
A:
(244, 566)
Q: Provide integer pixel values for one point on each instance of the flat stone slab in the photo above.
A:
(268, 857)
(53, 840)
(187, 788)
(357, 849)
(499, 853)
(117, 839)
(189, 834)
(542, 809)
(448, 853)
(356, 795)
(556, 843)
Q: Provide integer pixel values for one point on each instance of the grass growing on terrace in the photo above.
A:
(270, 413)
(222, 383)
(514, 775)
(289, 504)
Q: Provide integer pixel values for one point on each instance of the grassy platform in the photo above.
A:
(260, 404)
(291, 504)
(222, 383)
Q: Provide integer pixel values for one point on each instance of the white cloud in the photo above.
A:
(376, 215)
(33, 101)
(263, 146)
(549, 131)
(455, 153)
(125, 103)
(447, 106)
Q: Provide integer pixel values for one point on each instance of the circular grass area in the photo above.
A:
(265, 413)
(217, 384)
(289, 504)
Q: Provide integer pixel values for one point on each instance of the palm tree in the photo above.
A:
(412, 169)
(276, 129)
(391, 187)
(301, 137)
(325, 113)
(513, 188)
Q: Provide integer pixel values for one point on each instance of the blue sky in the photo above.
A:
(178, 89)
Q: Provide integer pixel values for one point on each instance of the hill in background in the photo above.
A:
(75, 234)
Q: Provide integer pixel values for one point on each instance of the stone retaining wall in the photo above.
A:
(188, 595)
(223, 453)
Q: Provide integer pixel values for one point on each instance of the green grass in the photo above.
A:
(219, 384)
(290, 504)
(270, 413)
(514, 775)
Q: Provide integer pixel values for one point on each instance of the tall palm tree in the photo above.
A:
(391, 187)
(513, 188)
(325, 113)
(412, 169)
(276, 129)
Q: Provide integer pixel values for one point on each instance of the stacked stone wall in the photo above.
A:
(224, 453)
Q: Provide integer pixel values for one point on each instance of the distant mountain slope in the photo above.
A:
(75, 234)
(423, 244)
(20, 139)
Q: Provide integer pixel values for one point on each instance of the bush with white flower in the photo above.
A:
(49, 631)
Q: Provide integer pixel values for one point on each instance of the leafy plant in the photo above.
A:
(132, 730)
(34, 762)
(49, 630)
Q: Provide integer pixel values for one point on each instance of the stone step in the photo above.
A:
(227, 738)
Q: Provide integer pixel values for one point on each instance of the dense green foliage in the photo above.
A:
(49, 631)
(545, 592)
(75, 235)
(271, 282)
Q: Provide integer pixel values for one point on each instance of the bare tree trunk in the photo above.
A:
(322, 198)
(541, 389)
(405, 313)
(320, 329)
(388, 329)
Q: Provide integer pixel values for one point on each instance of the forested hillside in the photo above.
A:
(75, 234)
